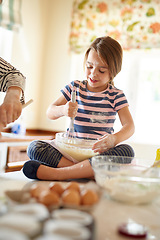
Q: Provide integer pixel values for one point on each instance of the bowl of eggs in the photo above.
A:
(123, 180)
(75, 148)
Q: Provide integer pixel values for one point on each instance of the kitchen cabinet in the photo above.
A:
(13, 150)
(13, 155)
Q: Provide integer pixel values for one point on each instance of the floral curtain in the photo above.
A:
(133, 23)
(10, 14)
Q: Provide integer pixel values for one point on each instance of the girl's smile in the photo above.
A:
(97, 72)
(92, 80)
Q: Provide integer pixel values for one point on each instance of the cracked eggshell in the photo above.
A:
(21, 222)
(52, 237)
(75, 215)
(11, 234)
(36, 210)
(69, 229)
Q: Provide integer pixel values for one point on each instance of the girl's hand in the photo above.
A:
(70, 109)
(61, 107)
(104, 143)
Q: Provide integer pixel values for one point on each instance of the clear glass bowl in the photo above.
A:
(78, 149)
(126, 182)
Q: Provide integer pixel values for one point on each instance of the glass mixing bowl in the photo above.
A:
(126, 182)
(78, 149)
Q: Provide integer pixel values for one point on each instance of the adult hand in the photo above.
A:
(11, 108)
(104, 143)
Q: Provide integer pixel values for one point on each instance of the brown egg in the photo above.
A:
(71, 197)
(89, 197)
(73, 185)
(49, 198)
(37, 189)
(56, 187)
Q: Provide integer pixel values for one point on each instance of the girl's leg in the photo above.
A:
(48, 163)
(79, 170)
(45, 153)
(123, 150)
(35, 170)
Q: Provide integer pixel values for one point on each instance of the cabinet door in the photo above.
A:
(17, 154)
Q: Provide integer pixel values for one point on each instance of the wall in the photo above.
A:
(27, 54)
(57, 60)
(40, 52)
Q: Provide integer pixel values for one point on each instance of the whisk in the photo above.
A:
(71, 126)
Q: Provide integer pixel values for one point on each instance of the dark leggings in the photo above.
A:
(46, 154)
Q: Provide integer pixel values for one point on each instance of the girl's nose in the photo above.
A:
(94, 72)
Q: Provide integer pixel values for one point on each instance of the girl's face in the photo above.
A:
(97, 72)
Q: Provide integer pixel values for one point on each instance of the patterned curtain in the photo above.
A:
(10, 14)
(135, 24)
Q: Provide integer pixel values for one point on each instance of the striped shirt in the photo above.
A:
(96, 110)
(10, 76)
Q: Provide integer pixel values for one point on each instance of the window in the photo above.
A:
(147, 105)
(6, 43)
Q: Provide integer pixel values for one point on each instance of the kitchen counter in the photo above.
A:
(13, 149)
(108, 214)
(11, 137)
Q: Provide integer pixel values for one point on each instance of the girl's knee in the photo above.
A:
(44, 153)
(129, 150)
(34, 148)
(121, 150)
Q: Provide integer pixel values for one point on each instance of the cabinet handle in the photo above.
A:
(23, 151)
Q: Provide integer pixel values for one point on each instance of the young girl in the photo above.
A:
(97, 102)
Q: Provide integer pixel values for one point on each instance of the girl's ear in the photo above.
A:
(110, 78)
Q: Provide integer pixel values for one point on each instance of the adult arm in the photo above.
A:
(13, 83)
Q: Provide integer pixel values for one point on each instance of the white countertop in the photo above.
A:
(108, 214)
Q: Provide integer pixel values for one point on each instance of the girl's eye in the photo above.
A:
(89, 67)
(101, 71)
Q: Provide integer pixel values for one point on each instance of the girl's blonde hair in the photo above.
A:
(110, 51)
